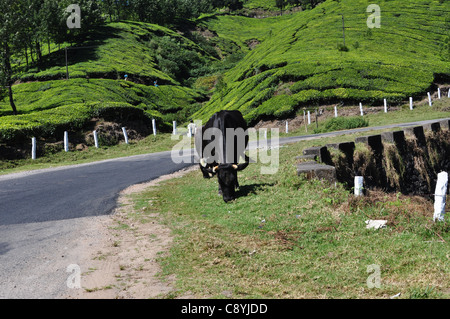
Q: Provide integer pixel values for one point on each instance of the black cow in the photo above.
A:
(220, 143)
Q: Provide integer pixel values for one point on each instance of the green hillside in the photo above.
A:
(302, 61)
(242, 30)
(145, 52)
(141, 50)
(266, 68)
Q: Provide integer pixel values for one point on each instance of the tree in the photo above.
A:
(198, 7)
(91, 15)
(34, 26)
(11, 22)
(280, 4)
(234, 4)
(294, 2)
(107, 7)
(310, 4)
(55, 21)
(123, 8)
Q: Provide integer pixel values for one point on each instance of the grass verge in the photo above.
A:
(374, 116)
(285, 237)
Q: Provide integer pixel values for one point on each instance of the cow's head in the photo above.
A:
(207, 168)
(227, 178)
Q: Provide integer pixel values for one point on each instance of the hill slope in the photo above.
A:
(145, 52)
(289, 62)
(304, 63)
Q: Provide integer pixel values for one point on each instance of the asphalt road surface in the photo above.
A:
(43, 214)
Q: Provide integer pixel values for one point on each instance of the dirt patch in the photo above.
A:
(122, 264)
(110, 133)
(206, 33)
(253, 43)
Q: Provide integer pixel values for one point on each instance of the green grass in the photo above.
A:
(300, 64)
(342, 123)
(285, 237)
(421, 112)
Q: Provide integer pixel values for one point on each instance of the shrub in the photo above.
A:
(342, 47)
(342, 123)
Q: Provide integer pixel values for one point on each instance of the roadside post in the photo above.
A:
(33, 148)
(125, 135)
(66, 141)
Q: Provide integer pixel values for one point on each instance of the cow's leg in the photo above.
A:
(220, 190)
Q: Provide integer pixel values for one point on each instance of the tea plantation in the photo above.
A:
(267, 68)
(302, 60)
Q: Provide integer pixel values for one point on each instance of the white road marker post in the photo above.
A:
(439, 196)
(361, 109)
(174, 128)
(429, 99)
(287, 127)
(385, 106)
(154, 126)
(33, 148)
(304, 121)
(439, 93)
(335, 111)
(359, 185)
(411, 103)
(66, 141)
(125, 135)
(95, 138)
(309, 117)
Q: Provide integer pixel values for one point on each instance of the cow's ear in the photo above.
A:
(215, 169)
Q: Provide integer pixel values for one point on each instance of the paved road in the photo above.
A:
(78, 191)
(42, 213)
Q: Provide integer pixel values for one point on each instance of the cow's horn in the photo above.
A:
(203, 162)
(235, 166)
(215, 169)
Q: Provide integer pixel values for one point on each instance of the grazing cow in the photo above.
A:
(220, 143)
